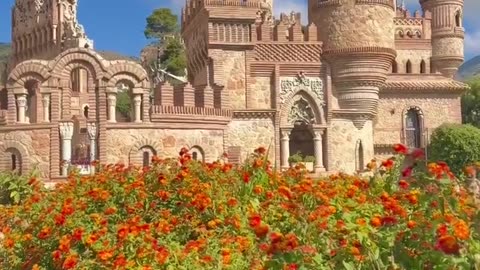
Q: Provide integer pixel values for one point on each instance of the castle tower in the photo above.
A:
(448, 34)
(42, 29)
(358, 45)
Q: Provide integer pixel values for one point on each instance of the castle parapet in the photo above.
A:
(288, 28)
(416, 26)
(189, 114)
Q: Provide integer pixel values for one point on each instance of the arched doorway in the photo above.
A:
(301, 140)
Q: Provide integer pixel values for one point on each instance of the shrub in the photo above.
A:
(180, 214)
(457, 145)
(309, 159)
(14, 188)
(297, 158)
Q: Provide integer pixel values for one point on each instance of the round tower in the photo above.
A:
(358, 43)
(448, 34)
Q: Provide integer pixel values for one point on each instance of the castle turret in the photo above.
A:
(447, 34)
(358, 45)
(358, 38)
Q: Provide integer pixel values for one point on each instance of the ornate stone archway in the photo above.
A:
(302, 119)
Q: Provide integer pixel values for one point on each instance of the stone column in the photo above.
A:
(112, 103)
(66, 133)
(318, 148)
(285, 147)
(46, 108)
(137, 101)
(21, 108)
(92, 135)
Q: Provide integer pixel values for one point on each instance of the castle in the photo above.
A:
(361, 76)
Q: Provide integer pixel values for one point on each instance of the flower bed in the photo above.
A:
(181, 214)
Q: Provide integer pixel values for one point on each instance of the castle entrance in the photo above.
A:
(301, 141)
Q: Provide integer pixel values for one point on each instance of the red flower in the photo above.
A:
(400, 149)
(418, 153)
(388, 164)
(448, 244)
(70, 262)
(255, 220)
(246, 177)
(407, 172)
(403, 184)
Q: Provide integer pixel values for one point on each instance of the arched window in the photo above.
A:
(423, 67)
(458, 19)
(197, 153)
(32, 99)
(79, 80)
(359, 158)
(13, 160)
(394, 67)
(146, 159)
(124, 104)
(146, 154)
(408, 67)
(413, 130)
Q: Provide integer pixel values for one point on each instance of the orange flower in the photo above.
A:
(355, 251)
(35, 267)
(261, 231)
(388, 164)
(110, 211)
(258, 189)
(105, 255)
(411, 224)
(8, 243)
(376, 222)
(70, 262)
(461, 230)
(285, 192)
(44, 233)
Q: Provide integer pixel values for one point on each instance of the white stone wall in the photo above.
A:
(415, 57)
(261, 89)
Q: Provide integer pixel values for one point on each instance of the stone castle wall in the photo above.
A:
(436, 110)
(251, 134)
(123, 144)
(415, 57)
(231, 64)
(261, 89)
(33, 147)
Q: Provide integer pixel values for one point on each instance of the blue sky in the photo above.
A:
(117, 25)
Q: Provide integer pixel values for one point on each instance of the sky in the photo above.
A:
(117, 25)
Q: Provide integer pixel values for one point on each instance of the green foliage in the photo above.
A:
(162, 22)
(458, 145)
(309, 159)
(124, 103)
(174, 59)
(295, 158)
(14, 188)
(471, 104)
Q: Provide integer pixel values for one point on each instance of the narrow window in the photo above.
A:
(85, 112)
(412, 129)
(195, 156)
(409, 67)
(458, 19)
(146, 159)
(423, 67)
(14, 162)
(360, 165)
(394, 67)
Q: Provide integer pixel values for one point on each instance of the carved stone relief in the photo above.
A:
(301, 112)
(312, 85)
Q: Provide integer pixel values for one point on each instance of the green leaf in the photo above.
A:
(348, 266)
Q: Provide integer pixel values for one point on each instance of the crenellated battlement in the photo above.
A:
(287, 28)
(412, 26)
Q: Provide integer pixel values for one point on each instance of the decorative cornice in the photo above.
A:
(359, 118)
(387, 3)
(254, 114)
(361, 50)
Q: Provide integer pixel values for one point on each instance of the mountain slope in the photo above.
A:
(469, 69)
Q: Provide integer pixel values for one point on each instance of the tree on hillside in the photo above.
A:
(163, 28)
(471, 103)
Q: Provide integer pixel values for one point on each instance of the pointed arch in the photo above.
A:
(359, 156)
(408, 67)
(303, 103)
(423, 67)
(394, 66)
(458, 18)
